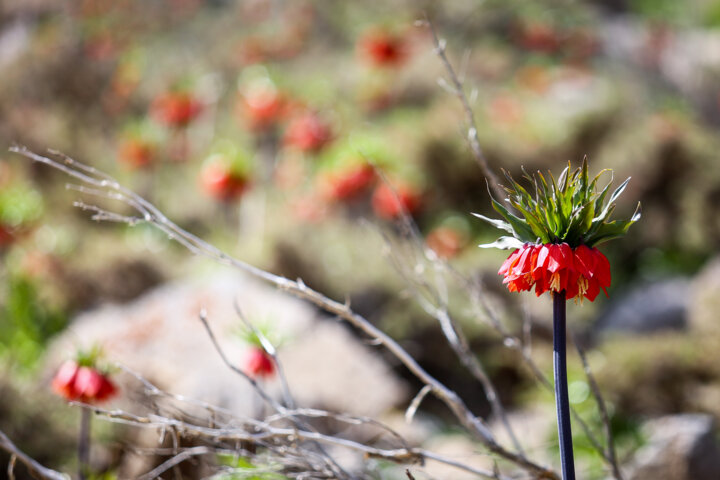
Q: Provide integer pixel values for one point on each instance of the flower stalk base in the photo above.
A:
(562, 402)
(84, 444)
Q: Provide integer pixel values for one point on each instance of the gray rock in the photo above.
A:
(680, 447)
(705, 305)
(656, 306)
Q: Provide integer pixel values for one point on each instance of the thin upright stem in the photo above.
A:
(84, 443)
(562, 402)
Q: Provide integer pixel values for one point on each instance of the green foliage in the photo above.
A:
(569, 209)
(19, 204)
(242, 468)
(26, 324)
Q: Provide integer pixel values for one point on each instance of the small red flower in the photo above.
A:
(581, 272)
(348, 183)
(136, 153)
(262, 109)
(6, 235)
(389, 203)
(446, 242)
(308, 133)
(259, 364)
(383, 49)
(538, 37)
(220, 182)
(82, 383)
(175, 109)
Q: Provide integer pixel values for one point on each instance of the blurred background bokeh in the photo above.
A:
(261, 126)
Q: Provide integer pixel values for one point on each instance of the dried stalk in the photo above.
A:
(33, 466)
(456, 88)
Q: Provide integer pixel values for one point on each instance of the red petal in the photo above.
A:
(107, 389)
(508, 262)
(584, 261)
(601, 269)
(88, 383)
(523, 264)
(64, 380)
(593, 289)
(556, 260)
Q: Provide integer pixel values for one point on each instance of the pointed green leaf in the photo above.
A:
(503, 243)
(496, 223)
(521, 228)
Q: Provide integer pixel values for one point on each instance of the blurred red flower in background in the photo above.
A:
(258, 364)
(221, 182)
(308, 133)
(348, 183)
(383, 49)
(446, 242)
(82, 383)
(175, 109)
(389, 202)
(262, 108)
(136, 153)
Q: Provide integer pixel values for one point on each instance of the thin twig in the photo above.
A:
(602, 407)
(175, 461)
(32, 465)
(472, 135)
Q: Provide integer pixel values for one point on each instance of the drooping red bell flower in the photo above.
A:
(446, 242)
(308, 133)
(6, 236)
(221, 181)
(136, 153)
(348, 183)
(258, 364)
(82, 383)
(262, 108)
(581, 272)
(389, 202)
(383, 49)
(175, 109)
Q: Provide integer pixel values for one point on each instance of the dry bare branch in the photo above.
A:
(602, 408)
(33, 466)
(457, 88)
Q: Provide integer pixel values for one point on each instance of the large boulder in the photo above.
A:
(649, 308)
(705, 301)
(679, 447)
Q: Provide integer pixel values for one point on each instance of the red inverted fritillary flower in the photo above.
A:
(175, 109)
(308, 133)
(554, 231)
(76, 382)
(222, 183)
(258, 364)
(389, 203)
(383, 49)
(348, 183)
(262, 108)
(136, 153)
(581, 272)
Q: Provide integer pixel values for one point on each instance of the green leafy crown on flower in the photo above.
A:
(569, 210)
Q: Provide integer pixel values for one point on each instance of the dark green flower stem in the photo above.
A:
(84, 443)
(562, 402)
